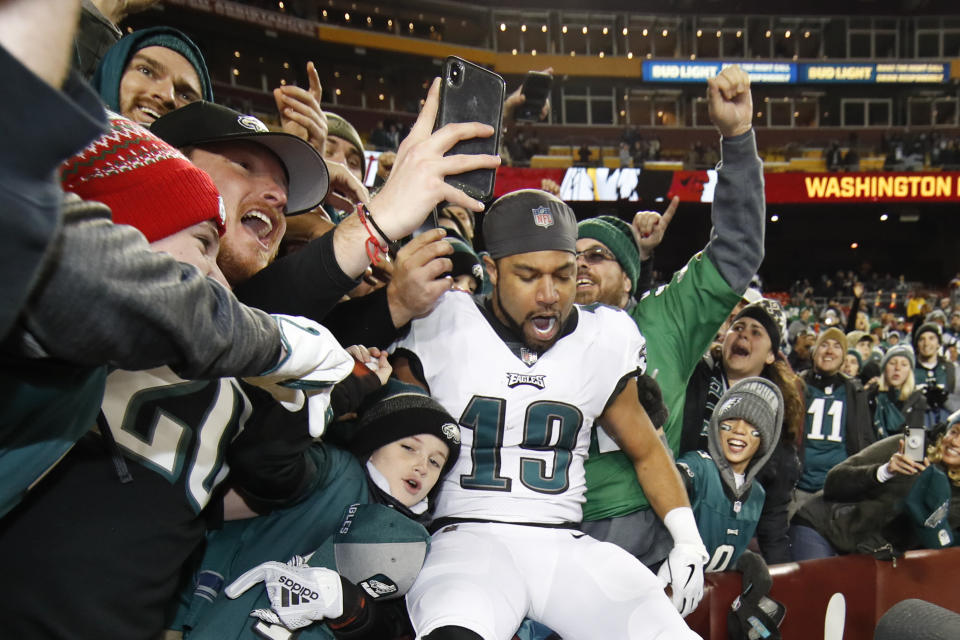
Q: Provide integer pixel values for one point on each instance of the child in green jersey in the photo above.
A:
(725, 496)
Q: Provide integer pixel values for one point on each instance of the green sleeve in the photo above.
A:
(679, 321)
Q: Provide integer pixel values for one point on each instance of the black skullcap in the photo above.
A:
(401, 410)
(529, 220)
(770, 315)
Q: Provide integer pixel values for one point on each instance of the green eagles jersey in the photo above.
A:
(935, 376)
(726, 526)
(824, 434)
(679, 320)
(204, 612)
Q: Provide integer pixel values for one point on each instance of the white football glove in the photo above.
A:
(299, 594)
(683, 571)
(683, 568)
(312, 362)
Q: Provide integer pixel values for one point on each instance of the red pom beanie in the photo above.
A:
(146, 183)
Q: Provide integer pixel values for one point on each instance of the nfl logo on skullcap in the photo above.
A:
(529, 220)
(542, 217)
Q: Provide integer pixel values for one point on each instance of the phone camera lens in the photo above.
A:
(456, 74)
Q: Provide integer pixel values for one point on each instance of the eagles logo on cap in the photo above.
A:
(542, 217)
(477, 272)
(730, 404)
(451, 431)
(935, 518)
(379, 586)
(222, 213)
(249, 122)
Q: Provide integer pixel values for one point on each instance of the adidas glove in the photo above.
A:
(311, 363)
(683, 568)
(299, 594)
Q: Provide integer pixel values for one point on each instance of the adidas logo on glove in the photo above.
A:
(294, 593)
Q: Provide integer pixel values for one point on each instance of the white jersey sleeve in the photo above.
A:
(525, 419)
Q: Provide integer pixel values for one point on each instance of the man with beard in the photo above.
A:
(608, 264)
(530, 374)
(265, 176)
(678, 320)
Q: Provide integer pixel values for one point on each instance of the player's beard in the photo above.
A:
(531, 343)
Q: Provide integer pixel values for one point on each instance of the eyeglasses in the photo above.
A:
(595, 255)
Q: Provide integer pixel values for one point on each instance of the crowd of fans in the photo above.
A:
(916, 150)
(182, 423)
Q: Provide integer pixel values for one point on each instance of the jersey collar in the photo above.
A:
(515, 343)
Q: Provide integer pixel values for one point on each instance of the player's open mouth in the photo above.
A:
(412, 485)
(544, 326)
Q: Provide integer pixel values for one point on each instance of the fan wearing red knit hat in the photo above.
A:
(117, 520)
(151, 186)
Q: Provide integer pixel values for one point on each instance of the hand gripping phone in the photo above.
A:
(470, 93)
(916, 443)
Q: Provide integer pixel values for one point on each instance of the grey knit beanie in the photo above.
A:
(898, 350)
(757, 401)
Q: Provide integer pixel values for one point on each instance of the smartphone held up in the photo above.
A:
(471, 93)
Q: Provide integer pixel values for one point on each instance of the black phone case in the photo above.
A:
(476, 97)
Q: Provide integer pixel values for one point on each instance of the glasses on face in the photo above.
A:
(595, 255)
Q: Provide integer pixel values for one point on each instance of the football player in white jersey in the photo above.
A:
(529, 375)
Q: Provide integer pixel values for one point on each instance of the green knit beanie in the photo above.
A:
(465, 260)
(337, 126)
(928, 505)
(856, 354)
(616, 235)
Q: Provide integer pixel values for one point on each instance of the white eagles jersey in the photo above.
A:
(525, 419)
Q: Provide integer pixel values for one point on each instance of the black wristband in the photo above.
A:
(377, 228)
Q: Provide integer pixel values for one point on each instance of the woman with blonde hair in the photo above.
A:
(883, 501)
(894, 400)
